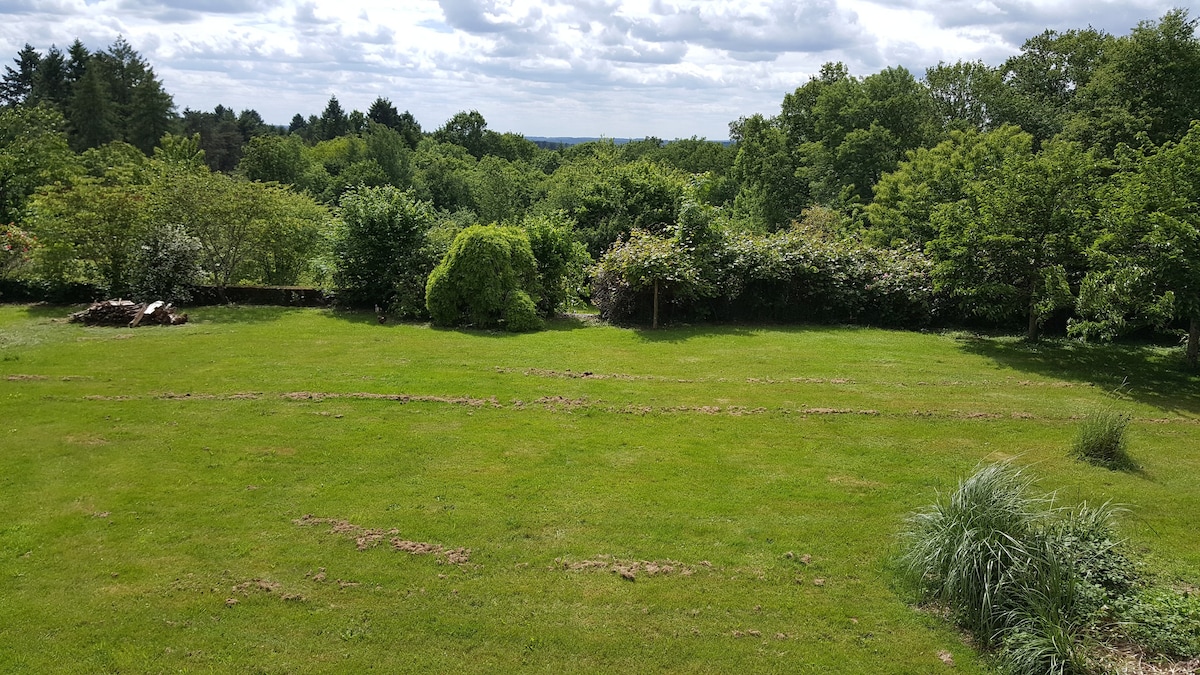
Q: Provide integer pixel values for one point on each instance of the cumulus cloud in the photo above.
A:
(1017, 20)
(553, 67)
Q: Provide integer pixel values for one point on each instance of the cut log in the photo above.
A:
(126, 313)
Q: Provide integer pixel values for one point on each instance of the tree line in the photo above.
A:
(1057, 188)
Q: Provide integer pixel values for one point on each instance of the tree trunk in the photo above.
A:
(1193, 343)
(655, 320)
(1031, 334)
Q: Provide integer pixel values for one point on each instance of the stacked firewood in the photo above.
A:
(129, 313)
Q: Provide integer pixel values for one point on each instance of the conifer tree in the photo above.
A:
(18, 83)
(92, 113)
(50, 83)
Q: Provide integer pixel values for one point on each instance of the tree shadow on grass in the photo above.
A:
(46, 311)
(557, 324)
(1146, 373)
(677, 334)
(234, 314)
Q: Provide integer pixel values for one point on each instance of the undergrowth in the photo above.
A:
(1046, 588)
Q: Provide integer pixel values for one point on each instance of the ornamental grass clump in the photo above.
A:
(989, 554)
(973, 551)
(1048, 589)
(1102, 440)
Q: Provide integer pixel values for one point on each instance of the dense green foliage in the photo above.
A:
(488, 278)
(1052, 192)
(381, 249)
(128, 222)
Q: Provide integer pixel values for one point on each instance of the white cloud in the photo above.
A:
(561, 67)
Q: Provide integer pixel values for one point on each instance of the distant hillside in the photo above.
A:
(555, 142)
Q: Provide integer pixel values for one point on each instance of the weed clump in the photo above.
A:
(1046, 588)
(1102, 440)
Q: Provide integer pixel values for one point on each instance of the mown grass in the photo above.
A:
(144, 475)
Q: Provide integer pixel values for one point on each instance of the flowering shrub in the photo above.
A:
(792, 275)
(16, 248)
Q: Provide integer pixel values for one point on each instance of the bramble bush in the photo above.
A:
(791, 275)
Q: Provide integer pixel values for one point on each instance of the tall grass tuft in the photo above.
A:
(1102, 440)
(995, 554)
(1045, 630)
(971, 550)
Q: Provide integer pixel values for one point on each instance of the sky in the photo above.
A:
(611, 68)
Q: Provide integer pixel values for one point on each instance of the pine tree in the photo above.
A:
(298, 125)
(150, 113)
(78, 57)
(18, 84)
(333, 122)
(50, 84)
(251, 124)
(383, 112)
(92, 113)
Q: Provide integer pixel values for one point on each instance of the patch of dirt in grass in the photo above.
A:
(588, 375)
(562, 403)
(452, 556)
(626, 569)
(25, 378)
(835, 411)
(320, 577)
(246, 588)
(365, 538)
(237, 396)
(399, 398)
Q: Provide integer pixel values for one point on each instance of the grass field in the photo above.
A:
(154, 485)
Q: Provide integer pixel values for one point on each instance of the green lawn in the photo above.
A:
(151, 482)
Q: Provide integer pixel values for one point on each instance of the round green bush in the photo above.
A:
(479, 280)
(520, 313)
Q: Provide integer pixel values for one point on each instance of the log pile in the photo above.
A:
(129, 313)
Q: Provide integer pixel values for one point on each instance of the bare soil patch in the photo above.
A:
(399, 398)
(365, 538)
(246, 588)
(628, 569)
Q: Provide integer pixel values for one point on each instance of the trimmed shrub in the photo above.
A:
(487, 279)
(520, 313)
